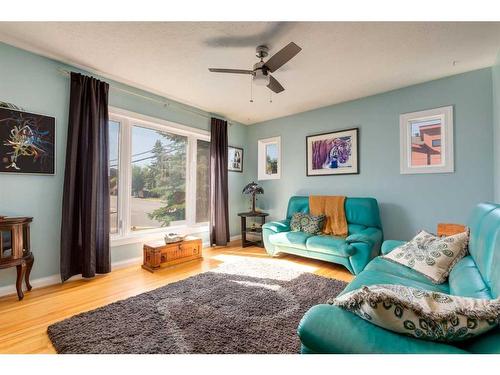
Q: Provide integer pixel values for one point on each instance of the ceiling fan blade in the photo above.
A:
(281, 57)
(235, 71)
(275, 85)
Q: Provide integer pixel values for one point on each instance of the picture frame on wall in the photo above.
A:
(235, 159)
(27, 142)
(269, 158)
(333, 153)
(426, 141)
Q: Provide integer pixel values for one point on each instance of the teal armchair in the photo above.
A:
(355, 251)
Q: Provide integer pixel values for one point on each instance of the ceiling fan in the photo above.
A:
(261, 70)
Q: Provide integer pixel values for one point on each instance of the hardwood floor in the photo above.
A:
(23, 324)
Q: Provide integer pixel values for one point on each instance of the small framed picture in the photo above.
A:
(269, 158)
(332, 153)
(426, 141)
(234, 159)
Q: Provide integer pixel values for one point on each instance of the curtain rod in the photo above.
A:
(165, 103)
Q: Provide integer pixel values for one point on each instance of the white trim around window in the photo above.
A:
(127, 120)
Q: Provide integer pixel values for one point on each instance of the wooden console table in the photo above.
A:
(256, 231)
(15, 249)
(158, 253)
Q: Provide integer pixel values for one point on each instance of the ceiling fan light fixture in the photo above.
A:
(260, 78)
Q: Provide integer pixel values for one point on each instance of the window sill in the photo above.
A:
(157, 234)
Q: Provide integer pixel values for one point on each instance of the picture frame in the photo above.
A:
(333, 153)
(426, 141)
(269, 158)
(27, 142)
(235, 159)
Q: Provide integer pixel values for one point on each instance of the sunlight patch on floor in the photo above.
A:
(268, 268)
(258, 285)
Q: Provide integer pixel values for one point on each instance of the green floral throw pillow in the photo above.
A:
(432, 256)
(422, 314)
(295, 221)
(307, 223)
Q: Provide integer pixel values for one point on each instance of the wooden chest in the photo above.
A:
(158, 253)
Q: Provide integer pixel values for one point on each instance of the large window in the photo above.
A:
(159, 175)
(158, 178)
(114, 153)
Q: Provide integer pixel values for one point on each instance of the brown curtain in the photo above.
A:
(219, 213)
(85, 210)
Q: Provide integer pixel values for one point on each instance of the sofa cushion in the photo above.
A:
(371, 277)
(486, 245)
(432, 256)
(384, 266)
(329, 329)
(362, 211)
(466, 280)
(356, 228)
(420, 313)
(475, 224)
(329, 245)
(291, 239)
(389, 245)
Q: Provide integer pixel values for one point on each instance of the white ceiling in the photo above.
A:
(339, 61)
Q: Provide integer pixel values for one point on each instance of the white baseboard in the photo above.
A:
(56, 279)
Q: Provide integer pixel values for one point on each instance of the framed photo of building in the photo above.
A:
(269, 159)
(234, 159)
(332, 153)
(426, 141)
(27, 142)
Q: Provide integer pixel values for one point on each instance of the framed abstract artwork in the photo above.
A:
(269, 159)
(234, 159)
(27, 142)
(426, 141)
(332, 153)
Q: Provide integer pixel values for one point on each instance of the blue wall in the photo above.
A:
(33, 83)
(496, 126)
(408, 202)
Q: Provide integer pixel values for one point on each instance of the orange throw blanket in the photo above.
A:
(333, 208)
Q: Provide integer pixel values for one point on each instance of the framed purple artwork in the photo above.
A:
(332, 153)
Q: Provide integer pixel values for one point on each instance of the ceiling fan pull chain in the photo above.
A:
(251, 90)
(270, 96)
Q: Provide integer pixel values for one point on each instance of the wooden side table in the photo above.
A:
(255, 231)
(15, 249)
(158, 253)
(445, 229)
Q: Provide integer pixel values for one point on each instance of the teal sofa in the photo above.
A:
(329, 329)
(354, 252)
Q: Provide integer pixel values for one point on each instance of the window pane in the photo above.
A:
(202, 181)
(114, 153)
(158, 178)
(426, 142)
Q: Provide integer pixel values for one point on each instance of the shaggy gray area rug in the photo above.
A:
(250, 306)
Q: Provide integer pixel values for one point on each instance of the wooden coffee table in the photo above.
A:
(158, 253)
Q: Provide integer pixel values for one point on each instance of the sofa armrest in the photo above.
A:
(390, 245)
(278, 226)
(370, 236)
(366, 245)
